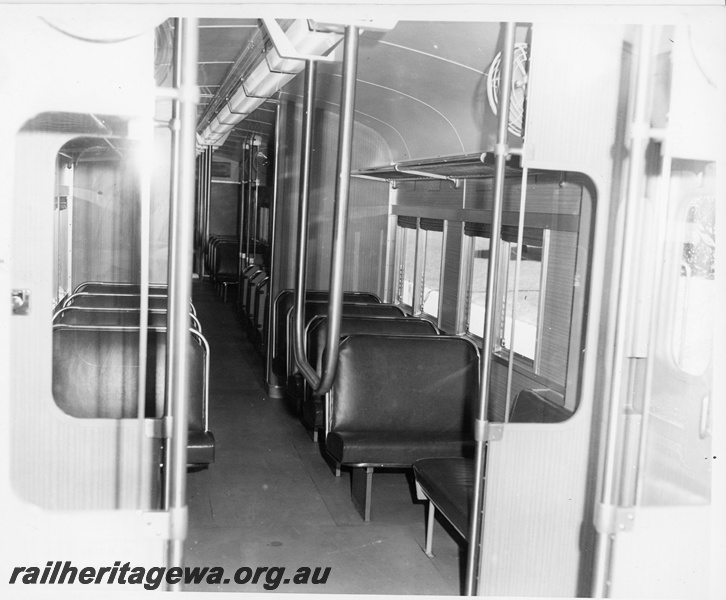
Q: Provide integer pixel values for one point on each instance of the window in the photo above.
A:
(525, 308)
(406, 236)
(476, 309)
(693, 322)
(432, 231)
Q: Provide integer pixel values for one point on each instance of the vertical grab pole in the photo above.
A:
(248, 201)
(207, 199)
(181, 228)
(240, 230)
(202, 207)
(302, 219)
(473, 559)
(345, 151)
(272, 239)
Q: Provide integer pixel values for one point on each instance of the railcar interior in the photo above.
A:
(374, 300)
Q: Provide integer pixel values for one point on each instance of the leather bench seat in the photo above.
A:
(449, 482)
(397, 399)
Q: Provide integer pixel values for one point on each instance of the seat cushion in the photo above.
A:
(394, 448)
(449, 484)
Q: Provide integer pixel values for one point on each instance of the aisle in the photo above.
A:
(270, 499)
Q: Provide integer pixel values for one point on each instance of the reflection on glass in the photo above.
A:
(695, 302)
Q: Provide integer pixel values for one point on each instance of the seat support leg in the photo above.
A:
(430, 530)
(361, 485)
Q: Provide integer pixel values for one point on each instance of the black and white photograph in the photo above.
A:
(362, 299)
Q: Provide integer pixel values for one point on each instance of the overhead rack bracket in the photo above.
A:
(453, 168)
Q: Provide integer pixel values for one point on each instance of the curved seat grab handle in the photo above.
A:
(321, 383)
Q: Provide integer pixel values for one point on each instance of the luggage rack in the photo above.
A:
(452, 168)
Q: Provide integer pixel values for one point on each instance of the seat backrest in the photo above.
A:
(531, 407)
(251, 290)
(121, 288)
(405, 384)
(314, 309)
(317, 330)
(226, 259)
(284, 301)
(116, 301)
(95, 374)
(74, 315)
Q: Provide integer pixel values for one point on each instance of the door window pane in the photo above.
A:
(527, 300)
(693, 322)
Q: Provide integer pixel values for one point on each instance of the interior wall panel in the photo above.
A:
(452, 266)
(367, 210)
(106, 221)
(224, 205)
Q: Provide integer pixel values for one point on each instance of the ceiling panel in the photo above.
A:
(417, 81)
(226, 42)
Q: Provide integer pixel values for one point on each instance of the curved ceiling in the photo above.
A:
(418, 82)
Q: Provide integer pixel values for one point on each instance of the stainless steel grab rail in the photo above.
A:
(473, 558)
(181, 233)
(321, 383)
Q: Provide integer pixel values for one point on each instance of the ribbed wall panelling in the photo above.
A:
(452, 276)
(571, 123)
(535, 501)
(538, 518)
(558, 305)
